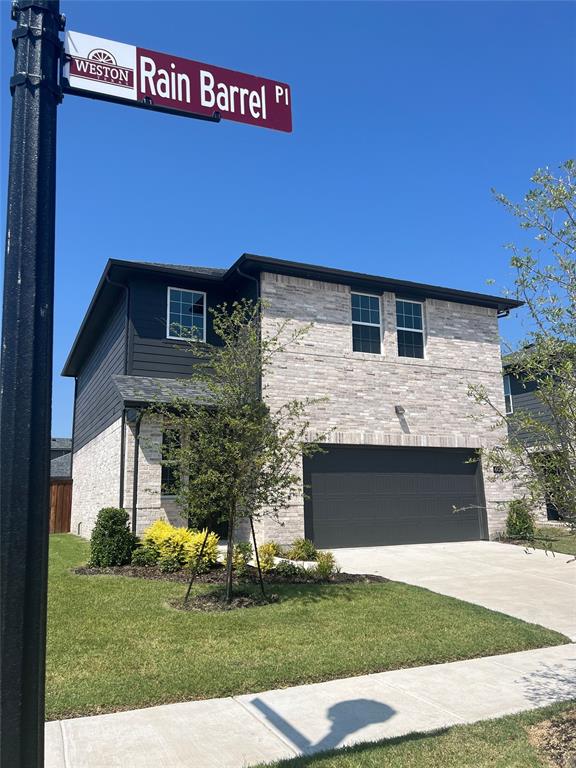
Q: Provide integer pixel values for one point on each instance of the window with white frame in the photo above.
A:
(186, 316)
(366, 327)
(410, 328)
(508, 406)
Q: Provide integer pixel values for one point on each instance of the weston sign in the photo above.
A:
(118, 72)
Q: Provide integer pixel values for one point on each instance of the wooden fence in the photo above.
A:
(60, 505)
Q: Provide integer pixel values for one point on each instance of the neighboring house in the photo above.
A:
(394, 359)
(521, 395)
(60, 484)
(60, 446)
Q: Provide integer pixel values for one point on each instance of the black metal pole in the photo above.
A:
(26, 382)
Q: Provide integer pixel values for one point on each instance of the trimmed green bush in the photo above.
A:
(145, 556)
(325, 566)
(241, 557)
(292, 571)
(520, 521)
(169, 563)
(112, 541)
(302, 549)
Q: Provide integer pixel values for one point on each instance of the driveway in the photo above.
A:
(531, 586)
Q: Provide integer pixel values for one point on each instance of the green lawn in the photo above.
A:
(114, 644)
(562, 540)
(501, 743)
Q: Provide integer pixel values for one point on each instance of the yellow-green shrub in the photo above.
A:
(181, 543)
(266, 554)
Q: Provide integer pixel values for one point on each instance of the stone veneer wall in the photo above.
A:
(96, 478)
(462, 347)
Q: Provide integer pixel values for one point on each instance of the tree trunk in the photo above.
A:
(196, 566)
(229, 554)
(257, 556)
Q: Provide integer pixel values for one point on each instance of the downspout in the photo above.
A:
(122, 458)
(134, 416)
(126, 290)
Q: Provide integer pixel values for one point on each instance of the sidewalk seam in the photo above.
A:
(424, 699)
(64, 744)
(281, 739)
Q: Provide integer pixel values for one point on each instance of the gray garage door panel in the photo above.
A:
(360, 496)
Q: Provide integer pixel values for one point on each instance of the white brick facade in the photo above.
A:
(462, 347)
(96, 475)
(96, 478)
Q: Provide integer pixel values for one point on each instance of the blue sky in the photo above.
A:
(405, 115)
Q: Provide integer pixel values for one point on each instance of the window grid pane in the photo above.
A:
(408, 315)
(366, 338)
(410, 344)
(186, 314)
(365, 323)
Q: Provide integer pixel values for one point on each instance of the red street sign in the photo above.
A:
(118, 72)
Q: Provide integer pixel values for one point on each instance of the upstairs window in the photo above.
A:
(410, 328)
(508, 406)
(186, 315)
(366, 330)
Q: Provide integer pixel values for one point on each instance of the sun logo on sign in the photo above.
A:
(102, 57)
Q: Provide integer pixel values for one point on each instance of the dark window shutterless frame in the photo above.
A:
(366, 323)
(410, 328)
(186, 314)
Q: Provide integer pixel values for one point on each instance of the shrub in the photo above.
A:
(266, 554)
(168, 563)
(291, 570)
(520, 521)
(325, 565)
(302, 549)
(145, 556)
(111, 542)
(241, 557)
(182, 543)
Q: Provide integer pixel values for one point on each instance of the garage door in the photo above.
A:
(370, 496)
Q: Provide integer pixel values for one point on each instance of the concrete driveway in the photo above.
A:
(531, 586)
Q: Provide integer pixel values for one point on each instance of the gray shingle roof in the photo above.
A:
(148, 389)
(61, 444)
(62, 466)
(211, 271)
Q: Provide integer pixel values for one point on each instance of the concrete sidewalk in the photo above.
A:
(246, 730)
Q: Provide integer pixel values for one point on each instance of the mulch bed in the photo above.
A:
(216, 601)
(555, 739)
(218, 575)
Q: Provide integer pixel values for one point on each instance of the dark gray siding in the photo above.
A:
(98, 402)
(151, 353)
(525, 399)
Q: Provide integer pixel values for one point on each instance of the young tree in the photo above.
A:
(541, 451)
(234, 457)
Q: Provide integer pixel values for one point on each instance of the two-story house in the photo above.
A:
(393, 358)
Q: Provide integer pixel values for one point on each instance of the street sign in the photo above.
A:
(114, 71)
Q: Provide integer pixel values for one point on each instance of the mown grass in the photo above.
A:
(501, 743)
(113, 643)
(560, 540)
